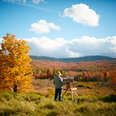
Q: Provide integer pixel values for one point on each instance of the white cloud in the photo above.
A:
(0, 42)
(43, 26)
(24, 1)
(16, 1)
(47, 43)
(46, 47)
(84, 46)
(81, 13)
(72, 53)
(37, 1)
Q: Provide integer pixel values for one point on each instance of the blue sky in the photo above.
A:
(62, 28)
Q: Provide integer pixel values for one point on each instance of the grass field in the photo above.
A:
(94, 100)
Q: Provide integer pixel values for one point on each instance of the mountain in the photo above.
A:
(79, 59)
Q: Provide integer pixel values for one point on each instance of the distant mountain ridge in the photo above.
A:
(79, 59)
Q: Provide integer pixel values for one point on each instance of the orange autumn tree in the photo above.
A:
(113, 75)
(15, 68)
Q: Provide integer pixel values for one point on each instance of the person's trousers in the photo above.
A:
(58, 92)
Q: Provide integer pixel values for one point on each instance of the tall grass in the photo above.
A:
(33, 104)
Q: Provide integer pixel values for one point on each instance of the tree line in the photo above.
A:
(17, 70)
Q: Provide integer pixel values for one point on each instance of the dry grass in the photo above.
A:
(84, 88)
(93, 101)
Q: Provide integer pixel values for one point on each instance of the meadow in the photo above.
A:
(95, 83)
(95, 99)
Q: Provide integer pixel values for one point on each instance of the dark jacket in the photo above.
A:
(58, 82)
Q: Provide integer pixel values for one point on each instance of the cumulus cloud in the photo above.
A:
(81, 13)
(42, 26)
(83, 46)
(72, 53)
(77, 47)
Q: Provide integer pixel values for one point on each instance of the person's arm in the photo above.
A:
(61, 81)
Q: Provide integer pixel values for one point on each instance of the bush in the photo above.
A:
(110, 98)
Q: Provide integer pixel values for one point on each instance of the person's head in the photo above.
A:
(59, 73)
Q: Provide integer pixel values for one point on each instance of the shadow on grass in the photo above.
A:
(49, 106)
(52, 113)
(82, 109)
(7, 112)
(84, 86)
(110, 98)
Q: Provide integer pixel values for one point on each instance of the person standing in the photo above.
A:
(58, 82)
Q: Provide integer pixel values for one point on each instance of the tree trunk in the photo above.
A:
(15, 88)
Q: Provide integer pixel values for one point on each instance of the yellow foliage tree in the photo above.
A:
(15, 68)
